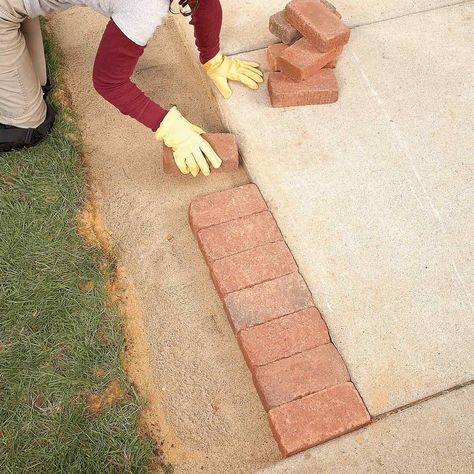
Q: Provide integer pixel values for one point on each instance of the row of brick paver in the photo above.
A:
(300, 377)
(313, 36)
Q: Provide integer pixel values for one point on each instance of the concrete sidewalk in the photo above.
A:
(374, 194)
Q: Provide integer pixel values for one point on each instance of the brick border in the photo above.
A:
(301, 379)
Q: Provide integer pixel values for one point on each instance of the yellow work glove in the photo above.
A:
(189, 148)
(220, 69)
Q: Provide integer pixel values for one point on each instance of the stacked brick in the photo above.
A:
(300, 377)
(313, 36)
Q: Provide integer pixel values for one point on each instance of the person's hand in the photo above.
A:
(190, 150)
(221, 68)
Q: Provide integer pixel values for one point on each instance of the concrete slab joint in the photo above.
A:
(303, 383)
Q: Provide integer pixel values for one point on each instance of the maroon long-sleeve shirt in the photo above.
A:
(117, 58)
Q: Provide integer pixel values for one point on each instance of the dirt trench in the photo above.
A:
(203, 405)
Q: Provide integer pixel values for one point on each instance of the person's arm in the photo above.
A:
(207, 22)
(115, 62)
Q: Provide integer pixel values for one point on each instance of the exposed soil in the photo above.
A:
(136, 358)
(113, 393)
(181, 353)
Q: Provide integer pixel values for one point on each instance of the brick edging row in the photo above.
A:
(301, 379)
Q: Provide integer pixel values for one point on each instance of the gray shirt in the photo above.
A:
(137, 19)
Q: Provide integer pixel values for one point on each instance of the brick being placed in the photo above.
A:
(317, 418)
(280, 27)
(317, 24)
(303, 60)
(267, 301)
(224, 206)
(252, 267)
(301, 374)
(322, 88)
(283, 337)
(229, 238)
(224, 144)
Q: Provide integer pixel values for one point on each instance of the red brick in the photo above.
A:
(274, 51)
(322, 88)
(332, 64)
(283, 337)
(303, 60)
(299, 375)
(224, 144)
(267, 301)
(252, 267)
(317, 24)
(317, 418)
(238, 235)
(280, 27)
(225, 206)
(331, 7)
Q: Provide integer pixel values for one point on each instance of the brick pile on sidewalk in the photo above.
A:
(313, 36)
(300, 376)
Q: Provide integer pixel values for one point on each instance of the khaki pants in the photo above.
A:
(22, 67)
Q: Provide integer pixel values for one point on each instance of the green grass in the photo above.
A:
(51, 331)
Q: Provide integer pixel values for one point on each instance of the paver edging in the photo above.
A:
(306, 404)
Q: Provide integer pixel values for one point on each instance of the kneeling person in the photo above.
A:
(26, 117)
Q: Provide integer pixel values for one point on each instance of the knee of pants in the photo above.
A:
(21, 97)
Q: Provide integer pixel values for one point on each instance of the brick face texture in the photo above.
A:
(267, 301)
(317, 418)
(225, 206)
(283, 337)
(280, 27)
(331, 7)
(238, 235)
(332, 64)
(322, 88)
(251, 267)
(224, 144)
(317, 24)
(308, 372)
(303, 60)
(274, 51)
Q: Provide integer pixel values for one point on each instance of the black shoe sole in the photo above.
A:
(33, 136)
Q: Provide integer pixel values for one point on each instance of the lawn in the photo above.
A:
(65, 404)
